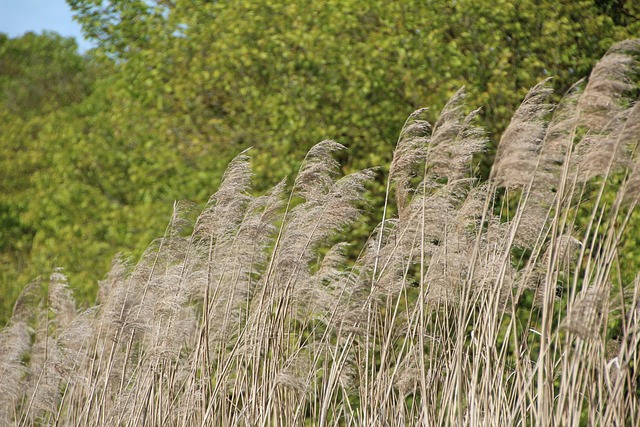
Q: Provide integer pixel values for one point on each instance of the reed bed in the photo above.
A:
(506, 302)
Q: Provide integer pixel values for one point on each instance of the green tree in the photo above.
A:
(283, 75)
(96, 149)
(40, 75)
(218, 77)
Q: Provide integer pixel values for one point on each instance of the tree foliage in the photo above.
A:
(40, 76)
(96, 148)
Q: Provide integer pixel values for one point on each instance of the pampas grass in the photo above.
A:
(477, 304)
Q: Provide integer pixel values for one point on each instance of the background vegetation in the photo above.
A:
(95, 148)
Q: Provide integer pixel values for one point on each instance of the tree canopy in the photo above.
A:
(96, 148)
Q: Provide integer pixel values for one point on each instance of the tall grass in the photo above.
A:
(479, 303)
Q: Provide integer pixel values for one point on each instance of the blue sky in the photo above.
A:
(20, 16)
